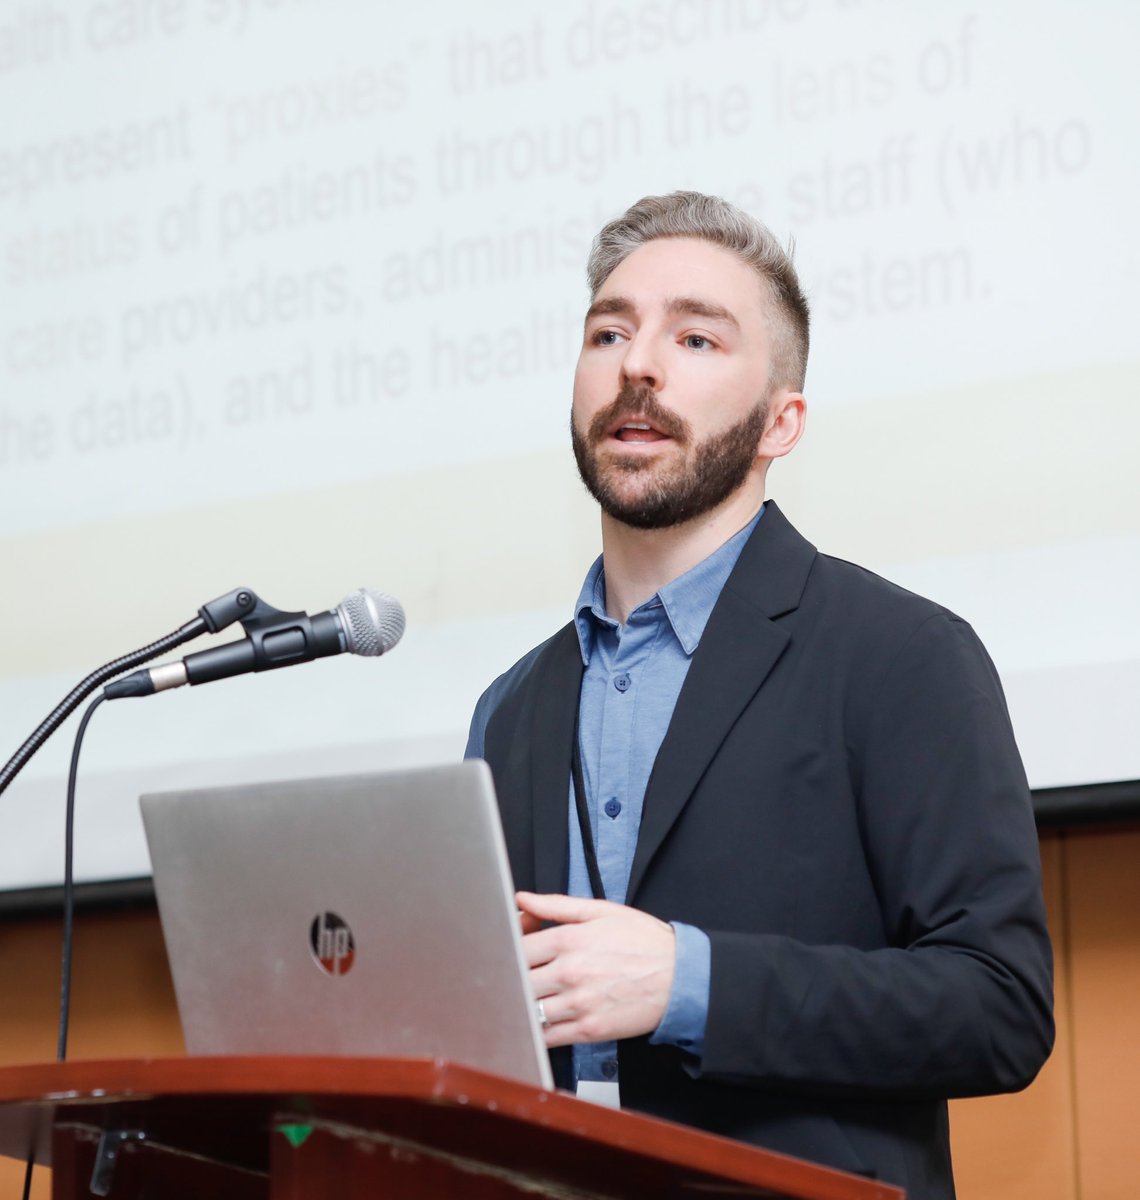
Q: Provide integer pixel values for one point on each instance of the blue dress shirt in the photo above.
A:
(633, 676)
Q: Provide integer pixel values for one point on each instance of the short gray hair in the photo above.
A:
(711, 219)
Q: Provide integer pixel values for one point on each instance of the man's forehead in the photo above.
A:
(682, 275)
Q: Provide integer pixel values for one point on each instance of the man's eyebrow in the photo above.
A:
(610, 304)
(694, 306)
(678, 305)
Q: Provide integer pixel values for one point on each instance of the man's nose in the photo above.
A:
(642, 365)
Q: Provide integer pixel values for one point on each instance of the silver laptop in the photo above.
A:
(360, 915)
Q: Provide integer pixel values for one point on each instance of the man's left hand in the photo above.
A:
(603, 971)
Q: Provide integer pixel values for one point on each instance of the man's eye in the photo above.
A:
(696, 341)
(605, 337)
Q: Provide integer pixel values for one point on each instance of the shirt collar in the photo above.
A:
(688, 600)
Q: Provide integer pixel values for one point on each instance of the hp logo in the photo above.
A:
(332, 943)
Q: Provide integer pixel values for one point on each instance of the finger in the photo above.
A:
(541, 947)
(546, 981)
(559, 1008)
(563, 909)
(528, 924)
(563, 1033)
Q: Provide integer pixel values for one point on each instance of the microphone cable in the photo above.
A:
(68, 910)
(69, 884)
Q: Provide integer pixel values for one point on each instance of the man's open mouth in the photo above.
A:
(638, 431)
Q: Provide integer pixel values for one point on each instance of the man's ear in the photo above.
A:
(787, 416)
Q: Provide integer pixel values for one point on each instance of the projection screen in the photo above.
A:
(291, 294)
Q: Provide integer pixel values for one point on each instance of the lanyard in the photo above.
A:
(581, 804)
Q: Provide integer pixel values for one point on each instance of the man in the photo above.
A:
(799, 790)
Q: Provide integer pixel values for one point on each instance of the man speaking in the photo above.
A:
(781, 878)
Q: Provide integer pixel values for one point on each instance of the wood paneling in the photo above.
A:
(1021, 1147)
(1103, 886)
(122, 999)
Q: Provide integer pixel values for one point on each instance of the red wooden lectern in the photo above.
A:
(342, 1129)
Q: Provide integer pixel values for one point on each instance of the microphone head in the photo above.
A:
(373, 622)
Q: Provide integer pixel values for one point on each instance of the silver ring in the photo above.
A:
(543, 1019)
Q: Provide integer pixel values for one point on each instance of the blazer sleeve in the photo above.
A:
(958, 999)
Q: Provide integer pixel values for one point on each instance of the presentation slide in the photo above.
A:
(291, 295)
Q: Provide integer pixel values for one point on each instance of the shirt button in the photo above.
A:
(613, 807)
(622, 682)
(609, 1068)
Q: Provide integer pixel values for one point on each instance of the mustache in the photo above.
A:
(632, 401)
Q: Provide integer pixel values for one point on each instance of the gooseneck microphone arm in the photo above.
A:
(211, 617)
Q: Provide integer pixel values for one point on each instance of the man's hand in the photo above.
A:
(603, 971)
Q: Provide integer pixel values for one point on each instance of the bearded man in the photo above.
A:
(781, 878)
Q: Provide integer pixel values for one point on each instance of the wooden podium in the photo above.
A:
(350, 1129)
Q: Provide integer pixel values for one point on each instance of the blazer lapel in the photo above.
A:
(738, 649)
(558, 683)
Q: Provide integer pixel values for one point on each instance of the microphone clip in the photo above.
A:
(242, 604)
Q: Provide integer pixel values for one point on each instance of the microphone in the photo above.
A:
(364, 622)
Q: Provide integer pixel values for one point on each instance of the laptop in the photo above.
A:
(363, 915)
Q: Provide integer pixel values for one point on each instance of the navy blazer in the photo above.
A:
(839, 803)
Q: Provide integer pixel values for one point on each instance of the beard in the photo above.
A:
(664, 496)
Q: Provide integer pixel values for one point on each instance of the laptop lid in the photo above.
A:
(366, 915)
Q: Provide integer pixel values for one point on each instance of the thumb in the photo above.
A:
(562, 909)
